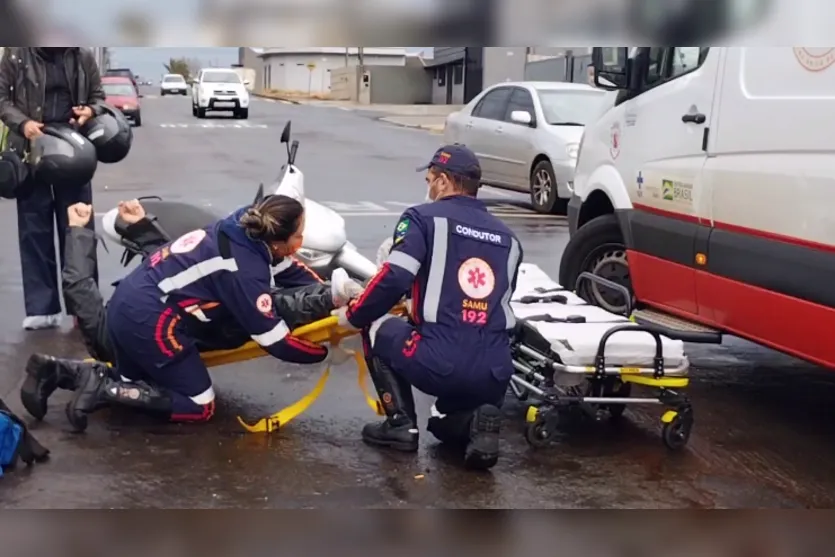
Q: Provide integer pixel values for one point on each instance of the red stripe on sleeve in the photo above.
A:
(305, 346)
(371, 285)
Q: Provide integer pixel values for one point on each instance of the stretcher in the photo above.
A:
(570, 354)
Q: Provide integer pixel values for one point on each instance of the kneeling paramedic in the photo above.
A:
(460, 264)
(182, 294)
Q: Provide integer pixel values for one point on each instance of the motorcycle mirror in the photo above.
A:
(259, 195)
(285, 135)
(292, 153)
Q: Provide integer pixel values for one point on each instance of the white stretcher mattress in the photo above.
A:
(576, 343)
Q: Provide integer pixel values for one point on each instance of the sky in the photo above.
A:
(148, 62)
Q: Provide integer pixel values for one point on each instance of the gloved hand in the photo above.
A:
(384, 250)
(343, 288)
(337, 356)
(342, 318)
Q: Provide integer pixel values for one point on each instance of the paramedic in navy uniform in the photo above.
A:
(459, 264)
(188, 287)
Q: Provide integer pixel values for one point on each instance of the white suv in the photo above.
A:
(173, 84)
(219, 89)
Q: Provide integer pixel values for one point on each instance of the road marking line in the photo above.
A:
(499, 192)
(216, 126)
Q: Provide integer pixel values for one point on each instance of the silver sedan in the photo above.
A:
(526, 136)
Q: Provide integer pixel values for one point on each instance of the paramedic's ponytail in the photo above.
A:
(273, 219)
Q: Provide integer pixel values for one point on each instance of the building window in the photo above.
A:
(458, 74)
(440, 75)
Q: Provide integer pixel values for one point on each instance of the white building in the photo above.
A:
(307, 70)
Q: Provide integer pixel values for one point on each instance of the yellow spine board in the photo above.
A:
(324, 331)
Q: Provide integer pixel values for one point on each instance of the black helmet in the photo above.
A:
(13, 173)
(110, 133)
(62, 157)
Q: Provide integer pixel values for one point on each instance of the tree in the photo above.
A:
(187, 68)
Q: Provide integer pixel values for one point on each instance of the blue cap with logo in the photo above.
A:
(456, 159)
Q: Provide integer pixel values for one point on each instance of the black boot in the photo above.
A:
(97, 390)
(399, 430)
(482, 451)
(45, 374)
(451, 429)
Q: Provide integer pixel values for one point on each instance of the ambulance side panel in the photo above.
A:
(770, 273)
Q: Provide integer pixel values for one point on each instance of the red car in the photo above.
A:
(120, 93)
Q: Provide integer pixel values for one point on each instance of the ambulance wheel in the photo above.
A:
(597, 247)
(676, 433)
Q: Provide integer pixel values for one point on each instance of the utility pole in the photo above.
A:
(360, 71)
(569, 66)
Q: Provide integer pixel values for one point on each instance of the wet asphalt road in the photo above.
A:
(763, 436)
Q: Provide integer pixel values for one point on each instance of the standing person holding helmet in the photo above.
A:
(46, 94)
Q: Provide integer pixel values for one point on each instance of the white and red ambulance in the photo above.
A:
(708, 190)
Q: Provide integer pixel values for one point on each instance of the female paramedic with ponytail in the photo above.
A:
(200, 281)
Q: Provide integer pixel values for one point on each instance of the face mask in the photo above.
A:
(428, 198)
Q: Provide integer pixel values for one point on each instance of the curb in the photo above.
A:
(283, 99)
(385, 120)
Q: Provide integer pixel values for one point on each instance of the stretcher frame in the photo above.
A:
(607, 387)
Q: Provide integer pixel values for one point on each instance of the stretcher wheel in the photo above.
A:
(538, 434)
(676, 433)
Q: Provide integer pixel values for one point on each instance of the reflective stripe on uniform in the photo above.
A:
(512, 264)
(404, 261)
(283, 266)
(437, 268)
(269, 338)
(197, 272)
(204, 398)
(375, 326)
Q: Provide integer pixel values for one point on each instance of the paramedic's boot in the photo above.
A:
(45, 374)
(482, 451)
(399, 430)
(452, 428)
(97, 390)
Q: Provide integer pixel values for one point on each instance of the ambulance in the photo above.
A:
(708, 190)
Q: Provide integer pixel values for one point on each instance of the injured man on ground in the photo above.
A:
(298, 297)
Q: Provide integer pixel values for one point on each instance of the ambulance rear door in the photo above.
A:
(771, 171)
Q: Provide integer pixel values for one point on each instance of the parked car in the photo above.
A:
(122, 72)
(120, 93)
(526, 136)
(173, 84)
(219, 89)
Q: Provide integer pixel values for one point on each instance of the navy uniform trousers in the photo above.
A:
(38, 208)
(458, 388)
